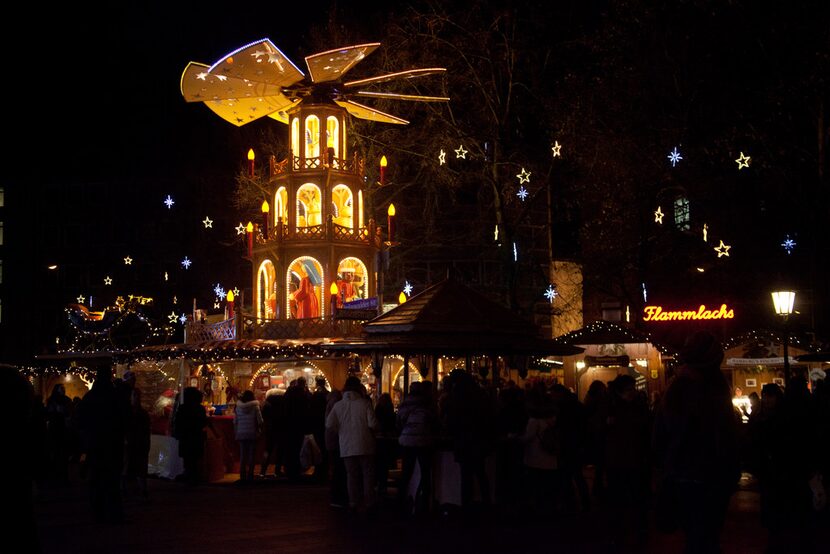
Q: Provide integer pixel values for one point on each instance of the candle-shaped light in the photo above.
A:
(251, 162)
(230, 304)
(249, 229)
(383, 163)
(334, 290)
(265, 211)
(402, 297)
(390, 222)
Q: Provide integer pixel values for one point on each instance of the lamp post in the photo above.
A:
(783, 302)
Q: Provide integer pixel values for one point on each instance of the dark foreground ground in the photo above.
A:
(277, 516)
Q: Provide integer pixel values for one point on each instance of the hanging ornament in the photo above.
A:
(460, 152)
(216, 305)
(705, 232)
(496, 233)
(742, 161)
(128, 261)
(80, 299)
(182, 319)
(658, 215)
(722, 249)
(551, 293)
(442, 157)
(169, 202)
(208, 223)
(407, 288)
(522, 193)
(674, 157)
(175, 300)
(186, 263)
(220, 292)
(524, 176)
(107, 280)
(788, 244)
(166, 277)
(240, 229)
(556, 148)
(172, 317)
(236, 291)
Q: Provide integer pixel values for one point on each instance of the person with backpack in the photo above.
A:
(542, 445)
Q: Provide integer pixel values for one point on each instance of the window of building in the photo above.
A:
(333, 134)
(312, 137)
(681, 213)
(308, 206)
(295, 137)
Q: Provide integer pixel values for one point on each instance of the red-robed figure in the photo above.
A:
(305, 297)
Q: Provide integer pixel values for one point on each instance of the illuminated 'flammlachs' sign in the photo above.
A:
(657, 313)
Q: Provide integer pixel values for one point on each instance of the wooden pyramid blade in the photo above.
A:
(396, 96)
(240, 111)
(408, 74)
(259, 62)
(365, 112)
(333, 64)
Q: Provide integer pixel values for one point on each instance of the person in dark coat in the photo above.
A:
(297, 425)
(418, 425)
(695, 439)
(103, 423)
(273, 416)
(386, 439)
(190, 424)
(317, 418)
(58, 414)
(137, 445)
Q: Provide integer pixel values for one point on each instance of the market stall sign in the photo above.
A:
(658, 313)
(607, 361)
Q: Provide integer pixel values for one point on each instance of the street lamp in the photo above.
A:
(783, 302)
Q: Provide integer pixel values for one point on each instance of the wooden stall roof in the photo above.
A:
(607, 332)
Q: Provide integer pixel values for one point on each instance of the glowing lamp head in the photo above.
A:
(391, 210)
(383, 161)
(783, 301)
(401, 297)
(52, 267)
(249, 227)
(230, 296)
(251, 154)
(333, 289)
(265, 207)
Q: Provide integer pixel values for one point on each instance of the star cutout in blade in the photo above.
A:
(460, 152)
(107, 280)
(658, 215)
(524, 176)
(208, 223)
(722, 249)
(128, 261)
(240, 229)
(556, 149)
(674, 157)
(442, 157)
(742, 161)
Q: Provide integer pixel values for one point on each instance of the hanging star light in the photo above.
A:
(460, 152)
(742, 161)
(128, 261)
(788, 244)
(556, 149)
(551, 293)
(169, 202)
(674, 157)
(175, 300)
(186, 263)
(705, 232)
(645, 293)
(166, 276)
(407, 288)
(496, 233)
(216, 305)
(208, 223)
(722, 249)
(658, 215)
(515, 253)
(183, 319)
(107, 280)
(236, 292)
(522, 193)
(240, 229)
(524, 176)
(80, 299)
(442, 157)
(172, 317)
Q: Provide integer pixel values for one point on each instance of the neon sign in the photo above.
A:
(657, 313)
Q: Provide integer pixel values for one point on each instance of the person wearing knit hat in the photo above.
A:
(701, 350)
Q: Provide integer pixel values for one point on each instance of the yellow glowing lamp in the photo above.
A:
(401, 297)
(333, 289)
(249, 227)
(391, 210)
(230, 296)
(383, 162)
(265, 207)
(251, 154)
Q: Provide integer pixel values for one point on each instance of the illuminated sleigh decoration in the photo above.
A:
(121, 328)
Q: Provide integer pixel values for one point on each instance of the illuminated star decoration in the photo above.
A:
(165, 276)
(556, 149)
(705, 232)
(645, 293)
(496, 233)
(216, 305)
(442, 157)
(551, 293)
(407, 288)
(236, 292)
(172, 317)
(674, 157)
(722, 249)
(183, 318)
(128, 261)
(107, 280)
(208, 223)
(522, 193)
(788, 244)
(80, 299)
(524, 176)
(658, 216)
(742, 161)
(515, 253)
(186, 262)
(169, 202)
(460, 152)
(240, 229)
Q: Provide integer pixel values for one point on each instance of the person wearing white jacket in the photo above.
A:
(247, 424)
(353, 419)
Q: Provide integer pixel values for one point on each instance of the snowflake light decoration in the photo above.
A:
(742, 161)
(407, 288)
(186, 262)
(551, 293)
(169, 202)
(220, 292)
(788, 244)
(522, 193)
(524, 176)
(183, 319)
(208, 223)
(674, 157)
(460, 152)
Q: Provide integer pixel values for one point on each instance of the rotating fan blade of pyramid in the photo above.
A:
(399, 75)
(333, 64)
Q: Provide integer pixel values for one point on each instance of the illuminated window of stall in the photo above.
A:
(280, 203)
(295, 137)
(304, 284)
(332, 134)
(681, 213)
(341, 199)
(266, 292)
(312, 136)
(308, 206)
(352, 279)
